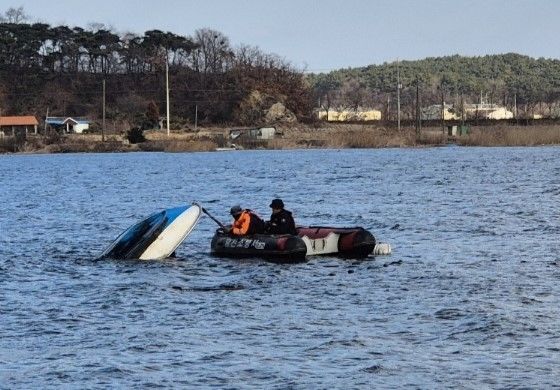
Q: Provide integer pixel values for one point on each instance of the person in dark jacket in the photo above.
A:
(245, 222)
(281, 220)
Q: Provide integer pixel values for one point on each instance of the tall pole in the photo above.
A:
(167, 92)
(103, 125)
(417, 109)
(442, 113)
(515, 108)
(387, 108)
(46, 117)
(195, 117)
(462, 110)
(398, 97)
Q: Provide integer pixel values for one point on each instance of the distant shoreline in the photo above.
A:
(322, 136)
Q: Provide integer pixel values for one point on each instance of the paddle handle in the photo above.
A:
(212, 217)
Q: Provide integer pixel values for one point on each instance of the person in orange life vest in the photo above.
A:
(245, 222)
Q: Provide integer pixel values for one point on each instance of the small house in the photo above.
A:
(68, 124)
(259, 133)
(13, 124)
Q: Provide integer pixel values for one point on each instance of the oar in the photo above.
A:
(213, 219)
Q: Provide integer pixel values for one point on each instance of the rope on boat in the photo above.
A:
(382, 249)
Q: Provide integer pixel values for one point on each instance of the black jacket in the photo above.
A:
(281, 223)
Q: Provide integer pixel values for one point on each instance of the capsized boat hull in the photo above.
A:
(155, 237)
(353, 242)
(278, 248)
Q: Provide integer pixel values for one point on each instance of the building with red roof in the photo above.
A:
(18, 123)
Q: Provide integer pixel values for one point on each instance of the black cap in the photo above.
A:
(235, 210)
(277, 204)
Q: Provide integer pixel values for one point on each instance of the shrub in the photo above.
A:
(135, 135)
(7, 145)
(51, 137)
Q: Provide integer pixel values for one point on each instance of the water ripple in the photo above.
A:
(468, 299)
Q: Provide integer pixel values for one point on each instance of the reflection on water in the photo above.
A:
(469, 297)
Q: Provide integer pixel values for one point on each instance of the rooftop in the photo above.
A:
(18, 121)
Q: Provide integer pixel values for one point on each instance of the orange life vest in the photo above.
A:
(247, 223)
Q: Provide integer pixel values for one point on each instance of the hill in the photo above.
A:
(500, 79)
(61, 70)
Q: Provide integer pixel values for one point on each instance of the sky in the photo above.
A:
(323, 35)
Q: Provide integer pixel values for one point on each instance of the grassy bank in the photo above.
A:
(294, 137)
(512, 136)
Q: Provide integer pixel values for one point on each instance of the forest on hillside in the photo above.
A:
(61, 70)
(507, 79)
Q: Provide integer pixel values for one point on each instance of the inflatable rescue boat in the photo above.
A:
(283, 248)
(353, 242)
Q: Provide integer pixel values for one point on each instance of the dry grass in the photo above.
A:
(431, 137)
(512, 136)
(161, 135)
(373, 138)
(90, 138)
(176, 146)
(322, 135)
(342, 136)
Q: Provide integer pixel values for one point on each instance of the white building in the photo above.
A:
(434, 112)
(69, 124)
(342, 115)
(487, 111)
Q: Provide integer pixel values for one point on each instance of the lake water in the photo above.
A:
(469, 298)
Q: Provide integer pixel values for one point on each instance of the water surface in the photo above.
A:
(469, 298)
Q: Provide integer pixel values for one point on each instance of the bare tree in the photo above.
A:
(353, 93)
(213, 53)
(14, 15)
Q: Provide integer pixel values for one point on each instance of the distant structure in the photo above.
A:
(249, 137)
(434, 112)
(15, 124)
(487, 111)
(257, 133)
(342, 115)
(68, 124)
(471, 111)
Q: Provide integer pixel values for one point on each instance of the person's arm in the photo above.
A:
(291, 225)
(241, 226)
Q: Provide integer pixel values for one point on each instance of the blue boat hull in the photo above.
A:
(134, 242)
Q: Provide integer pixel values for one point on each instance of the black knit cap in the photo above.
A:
(277, 204)
(235, 210)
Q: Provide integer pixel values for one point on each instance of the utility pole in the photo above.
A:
(167, 91)
(398, 97)
(195, 117)
(46, 117)
(462, 110)
(442, 113)
(387, 109)
(515, 108)
(103, 125)
(417, 109)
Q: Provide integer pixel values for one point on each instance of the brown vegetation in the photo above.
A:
(512, 136)
(328, 135)
(297, 136)
(61, 70)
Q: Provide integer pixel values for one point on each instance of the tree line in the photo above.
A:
(508, 79)
(61, 69)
